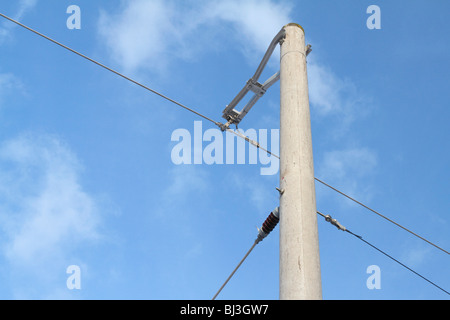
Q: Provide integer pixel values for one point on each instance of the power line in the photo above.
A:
(256, 144)
(220, 125)
(111, 70)
(269, 224)
(329, 219)
(379, 214)
(403, 265)
(234, 271)
(334, 222)
(252, 142)
(346, 195)
(273, 218)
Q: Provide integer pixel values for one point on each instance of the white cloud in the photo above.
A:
(324, 89)
(8, 83)
(414, 257)
(185, 179)
(263, 197)
(149, 34)
(255, 22)
(44, 211)
(185, 183)
(334, 96)
(140, 34)
(357, 161)
(347, 168)
(23, 7)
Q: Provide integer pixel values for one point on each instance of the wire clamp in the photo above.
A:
(335, 223)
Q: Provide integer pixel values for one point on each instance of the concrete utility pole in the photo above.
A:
(299, 244)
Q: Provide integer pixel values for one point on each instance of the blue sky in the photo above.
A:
(87, 178)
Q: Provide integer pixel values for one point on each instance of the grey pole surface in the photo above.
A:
(300, 277)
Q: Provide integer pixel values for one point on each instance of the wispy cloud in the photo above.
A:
(149, 34)
(335, 97)
(347, 168)
(44, 206)
(254, 22)
(262, 196)
(337, 164)
(185, 182)
(45, 213)
(8, 84)
(415, 256)
(140, 35)
(23, 7)
(337, 104)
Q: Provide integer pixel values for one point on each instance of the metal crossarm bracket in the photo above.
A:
(256, 87)
(234, 116)
(230, 113)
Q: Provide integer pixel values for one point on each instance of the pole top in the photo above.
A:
(292, 24)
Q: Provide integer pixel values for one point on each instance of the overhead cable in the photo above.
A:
(382, 216)
(334, 222)
(269, 224)
(220, 125)
(111, 70)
